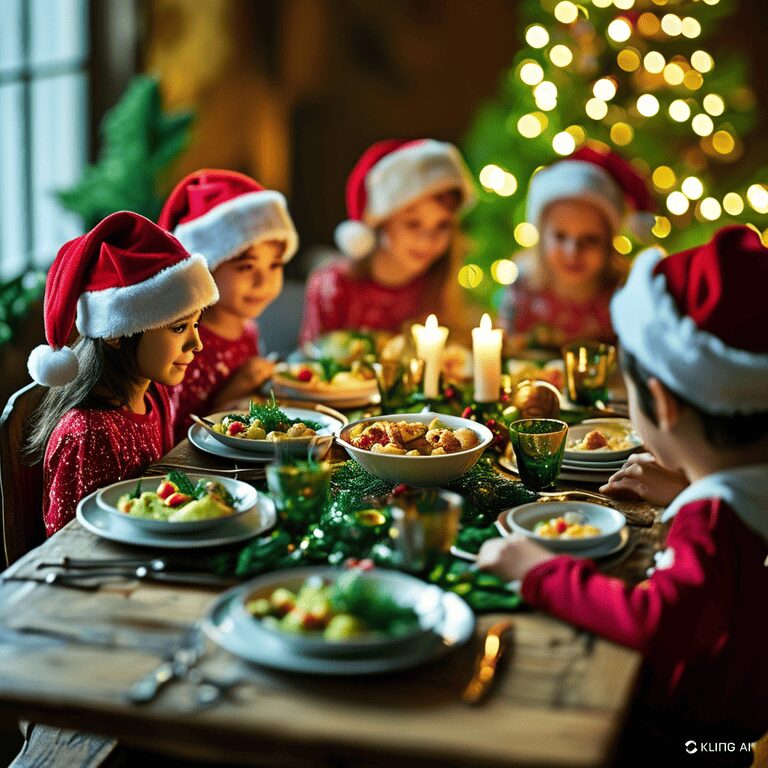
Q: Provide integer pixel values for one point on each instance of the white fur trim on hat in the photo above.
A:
(575, 180)
(355, 239)
(52, 367)
(175, 292)
(693, 363)
(228, 229)
(405, 175)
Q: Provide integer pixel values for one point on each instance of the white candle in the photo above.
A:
(486, 348)
(430, 340)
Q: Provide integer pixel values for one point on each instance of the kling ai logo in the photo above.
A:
(690, 747)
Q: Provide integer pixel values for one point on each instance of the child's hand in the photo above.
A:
(643, 477)
(254, 372)
(512, 557)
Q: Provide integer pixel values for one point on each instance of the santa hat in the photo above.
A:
(221, 213)
(697, 320)
(124, 276)
(390, 175)
(603, 179)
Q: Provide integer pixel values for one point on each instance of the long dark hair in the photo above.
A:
(107, 376)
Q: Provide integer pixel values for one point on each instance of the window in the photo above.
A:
(44, 50)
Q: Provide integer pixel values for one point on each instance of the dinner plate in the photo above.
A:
(610, 427)
(108, 526)
(201, 438)
(107, 498)
(228, 626)
(603, 466)
(590, 468)
(610, 547)
(357, 395)
(508, 462)
(330, 426)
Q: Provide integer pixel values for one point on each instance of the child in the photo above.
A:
(578, 205)
(135, 295)
(246, 235)
(403, 201)
(694, 324)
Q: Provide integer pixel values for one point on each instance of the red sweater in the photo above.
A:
(335, 299)
(91, 448)
(697, 618)
(219, 359)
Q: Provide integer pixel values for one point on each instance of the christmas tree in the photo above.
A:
(631, 75)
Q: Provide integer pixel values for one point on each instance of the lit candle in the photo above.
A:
(486, 348)
(430, 340)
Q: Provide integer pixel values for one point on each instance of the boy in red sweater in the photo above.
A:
(695, 355)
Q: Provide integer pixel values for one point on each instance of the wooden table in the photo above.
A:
(68, 657)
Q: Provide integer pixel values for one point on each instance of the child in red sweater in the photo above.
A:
(696, 365)
(246, 235)
(403, 201)
(135, 295)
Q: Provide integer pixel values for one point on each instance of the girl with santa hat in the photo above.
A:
(401, 242)
(695, 361)
(578, 205)
(135, 295)
(246, 236)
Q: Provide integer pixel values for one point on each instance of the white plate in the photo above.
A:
(201, 438)
(523, 518)
(591, 468)
(577, 432)
(509, 463)
(336, 400)
(228, 626)
(107, 499)
(603, 466)
(100, 522)
(331, 426)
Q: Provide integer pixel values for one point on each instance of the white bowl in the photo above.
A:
(425, 599)
(419, 471)
(331, 426)
(610, 521)
(107, 499)
(610, 428)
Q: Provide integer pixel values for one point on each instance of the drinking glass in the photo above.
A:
(588, 366)
(299, 490)
(538, 445)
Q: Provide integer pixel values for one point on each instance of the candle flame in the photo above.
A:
(485, 322)
(431, 323)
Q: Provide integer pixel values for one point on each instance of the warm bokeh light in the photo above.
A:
(674, 74)
(672, 24)
(702, 124)
(561, 55)
(714, 104)
(602, 3)
(757, 195)
(679, 110)
(664, 177)
(563, 143)
(692, 188)
(536, 36)
(621, 134)
(654, 62)
(619, 30)
(723, 142)
(710, 209)
(648, 24)
(470, 276)
(566, 12)
(531, 73)
(647, 105)
(702, 61)
(604, 88)
(492, 177)
(733, 204)
(545, 94)
(526, 234)
(624, 5)
(662, 227)
(529, 126)
(693, 80)
(504, 271)
(622, 244)
(597, 109)
(677, 203)
(691, 27)
(628, 59)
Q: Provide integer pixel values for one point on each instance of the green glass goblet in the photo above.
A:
(538, 445)
(299, 490)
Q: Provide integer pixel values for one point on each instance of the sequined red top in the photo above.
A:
(91, 448)
(335, 299)
(219, 359)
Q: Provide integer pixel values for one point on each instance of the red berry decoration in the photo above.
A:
(450, 393)
(469, 412)
(305, 374)
(399, 490)
(561, 526)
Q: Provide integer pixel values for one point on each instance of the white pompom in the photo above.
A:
(641, 224)
(52, 367)
(355, 239)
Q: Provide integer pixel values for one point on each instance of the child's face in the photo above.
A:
(163, 354)
(416, 237)
(249, 283)
(575, 243)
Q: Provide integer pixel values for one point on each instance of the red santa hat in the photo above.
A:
(221, 213)
(124, 276)
(390, 175)
(697, 320)
(603, 179)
